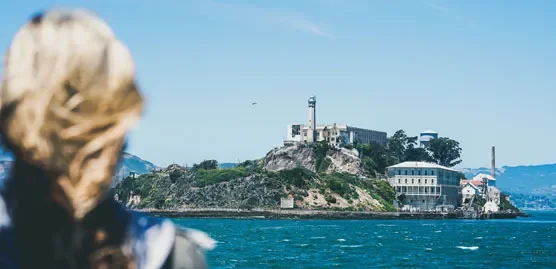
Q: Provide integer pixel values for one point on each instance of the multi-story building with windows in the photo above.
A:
(335, 134)
(425, 185)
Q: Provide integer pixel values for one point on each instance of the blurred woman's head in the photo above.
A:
(68, 98)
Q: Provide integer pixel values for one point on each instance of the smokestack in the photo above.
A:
(493, 163)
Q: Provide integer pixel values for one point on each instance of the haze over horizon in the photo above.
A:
(482, 73)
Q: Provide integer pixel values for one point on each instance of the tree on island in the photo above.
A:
(402, 148)
(445, 151)
(405, 148)
(206, 165)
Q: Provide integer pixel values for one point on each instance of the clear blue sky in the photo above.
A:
(480, 72)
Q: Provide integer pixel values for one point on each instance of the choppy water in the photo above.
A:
(519, 243)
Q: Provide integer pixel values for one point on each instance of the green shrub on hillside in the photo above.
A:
(385, 191)
(319, 151)
(341, 183)
(298, 177)
(323, 166)
(206, 165)
(210, 177)
(505, 204)
(330, 199)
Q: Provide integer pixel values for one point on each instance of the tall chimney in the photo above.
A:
(493, 163)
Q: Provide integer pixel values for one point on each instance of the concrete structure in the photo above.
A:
(493, 164)
(481, 181)
(426, 136)
(491, 207)
(312, 126)
(491, 181)
(335, 134)
(468, 191)
(286, 202)
(425, 185)
(493, 195)
(483, 185)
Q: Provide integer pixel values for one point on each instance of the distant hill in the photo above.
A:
(227, 165)
(523, 179)
(535, 179)
(129, 163)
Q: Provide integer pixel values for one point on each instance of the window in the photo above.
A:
(432, 172)
(412, 172)
(419, 181)
(405, 171)
(425, 172)
(432, 181)
(406, 180)
(419, 172)
(399, 181)
(412, 180)
(425, 181)
(400, 172)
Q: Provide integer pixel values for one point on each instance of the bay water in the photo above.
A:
(258, 243)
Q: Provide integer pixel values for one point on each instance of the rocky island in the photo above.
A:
(295, 181)
(315, 177)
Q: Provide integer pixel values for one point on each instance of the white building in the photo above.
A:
(482, 185)
(468, 191)
(493, 195)
(335, 134)
(426, 136)
(425, 185)
(491, 207)
(491, 181)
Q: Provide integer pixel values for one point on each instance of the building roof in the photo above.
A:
(429, 131)
(470, 184)
(474, 182)
(421, 165)
(491, 188)
(481, 176)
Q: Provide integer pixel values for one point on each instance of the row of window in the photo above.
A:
(418, 190)
(413, 181)
(418, 172)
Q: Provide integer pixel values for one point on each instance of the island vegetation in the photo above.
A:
(315, 176)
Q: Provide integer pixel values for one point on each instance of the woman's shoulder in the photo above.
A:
(154, 242)
(157, 242)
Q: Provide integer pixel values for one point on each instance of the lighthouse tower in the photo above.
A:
(312, 130)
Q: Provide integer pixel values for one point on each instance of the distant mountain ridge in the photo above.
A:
(524, 179)
(535, 179)
(129, 163)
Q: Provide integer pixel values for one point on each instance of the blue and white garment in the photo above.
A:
(153, 242)
(154, 239)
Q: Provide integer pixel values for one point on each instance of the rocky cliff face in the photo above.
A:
(287, 172)
(344, 161)
(301, 155)
(259, 190)
(290, 157)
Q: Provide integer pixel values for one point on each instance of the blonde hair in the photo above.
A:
(69, 84)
